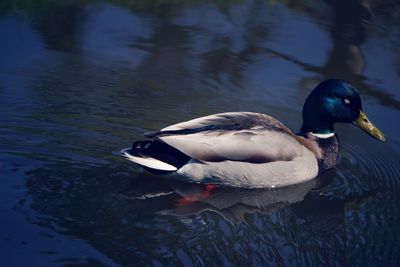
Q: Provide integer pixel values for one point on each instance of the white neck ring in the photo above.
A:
(322, 135)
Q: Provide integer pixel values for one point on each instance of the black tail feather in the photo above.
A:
(161, 151)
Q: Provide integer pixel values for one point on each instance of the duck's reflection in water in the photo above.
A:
(233, 204)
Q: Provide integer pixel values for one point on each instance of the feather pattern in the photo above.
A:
(241, 149)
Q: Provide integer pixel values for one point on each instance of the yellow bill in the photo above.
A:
(365, 124)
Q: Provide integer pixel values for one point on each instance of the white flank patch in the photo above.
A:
(322, 136)
(149, 162)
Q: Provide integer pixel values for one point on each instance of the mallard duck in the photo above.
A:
(253, 150)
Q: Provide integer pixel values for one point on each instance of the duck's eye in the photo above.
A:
(346, 101)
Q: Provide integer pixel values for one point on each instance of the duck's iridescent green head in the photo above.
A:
(335, 101)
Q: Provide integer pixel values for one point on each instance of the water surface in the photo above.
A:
(79, 80)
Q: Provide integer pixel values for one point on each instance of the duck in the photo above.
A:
(255, 150)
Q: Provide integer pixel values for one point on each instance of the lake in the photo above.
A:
(81, 80)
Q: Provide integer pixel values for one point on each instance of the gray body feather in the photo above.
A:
(242, 149)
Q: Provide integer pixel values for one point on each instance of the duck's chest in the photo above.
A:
(330, 153)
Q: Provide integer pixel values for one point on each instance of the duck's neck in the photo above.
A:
(321, 129)
(328, 144)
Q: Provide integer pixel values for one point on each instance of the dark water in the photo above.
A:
(80, 80)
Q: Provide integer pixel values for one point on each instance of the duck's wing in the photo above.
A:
(241, 149)
(238, 136)
(224, 122)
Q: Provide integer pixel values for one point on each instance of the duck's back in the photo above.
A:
(241, 149)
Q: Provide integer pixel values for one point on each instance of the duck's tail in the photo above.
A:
(156, 156)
